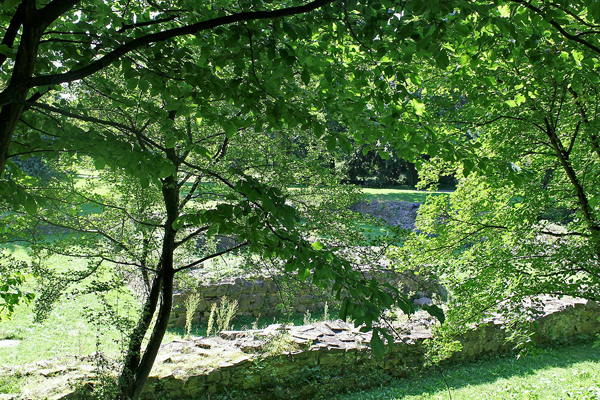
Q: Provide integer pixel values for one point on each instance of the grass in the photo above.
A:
(78, 324)
(571, 372)
(65, 333)
(409, 195)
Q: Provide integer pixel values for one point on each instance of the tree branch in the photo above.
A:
(82, 72)
(11, 32)
(557, 26)
(191, 235)
(147, 23)
(220, 253)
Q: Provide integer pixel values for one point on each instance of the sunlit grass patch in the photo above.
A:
(409, 195)
(571, 372)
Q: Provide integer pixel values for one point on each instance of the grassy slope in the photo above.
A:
(571, 372)
(76, 325)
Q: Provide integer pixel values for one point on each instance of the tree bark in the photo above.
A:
(137, 368)
(584, 205)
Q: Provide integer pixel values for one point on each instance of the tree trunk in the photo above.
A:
(586, 209)
(136, 367)
(140, 375)
(16, 92)
(412, 175)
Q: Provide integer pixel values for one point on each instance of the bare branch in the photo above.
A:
(220, 253)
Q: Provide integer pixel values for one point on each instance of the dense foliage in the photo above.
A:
(518, 105)
(167, 98)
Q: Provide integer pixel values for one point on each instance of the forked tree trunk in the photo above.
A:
(140, 373)
(137, 367)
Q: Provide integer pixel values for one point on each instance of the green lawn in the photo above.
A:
(409, 195)
(77, 325)
(571, 372)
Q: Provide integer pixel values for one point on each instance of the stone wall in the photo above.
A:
(332, 355)
(269, 296)
(255, 296)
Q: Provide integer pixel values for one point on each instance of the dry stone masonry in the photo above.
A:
(300, 362)
(332, 355)
(265, 296)
(395, 213)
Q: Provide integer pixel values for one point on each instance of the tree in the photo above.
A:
(383, 168)
(366, 64)
(201, 167)
(190, 80)
(523, 126)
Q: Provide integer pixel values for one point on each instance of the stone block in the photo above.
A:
(209, 291)
(214, 376)
(257, 302)
(301, 308)
(180, 321)
(591, 304)
(272, 301)
(260, 286)
(244, 302)
(235, 291)
(251, 381)
(196, 382)
(223, 289)
(328, 360)
(225, 377)
(212, 389)
(171, 384)
(248, 287)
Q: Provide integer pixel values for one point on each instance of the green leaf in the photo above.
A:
(30, 205)
(344, 308)
(317, 245)
(594, 10)
(436, 312)
(230, 129)
(377, 344)
(10, 4)
(166, 170)
(418, 106)
(468, 166)
(4, 49)
(331, 143)
(441, 59)
(303, 273)
(305, 76)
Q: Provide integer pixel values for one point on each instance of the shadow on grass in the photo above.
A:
(430, 383)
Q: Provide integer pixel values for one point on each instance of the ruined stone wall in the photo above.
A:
(255, 296)
(334, 355)
(266, 296)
